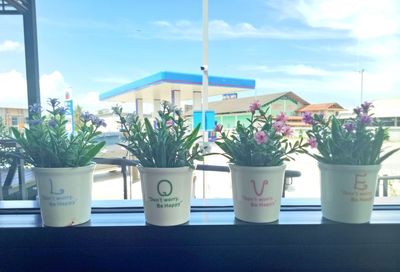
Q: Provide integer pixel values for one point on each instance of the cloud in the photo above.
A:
(112, 80)
(295, 70)
(362, 19)
(374, 26)
(53, 85)
(343, 87)
(222, 30)
(9, 46)
(13, 90)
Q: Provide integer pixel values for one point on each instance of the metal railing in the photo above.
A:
(385, 181)
(124, 163)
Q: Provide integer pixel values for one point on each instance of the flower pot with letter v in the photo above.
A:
(257, 192)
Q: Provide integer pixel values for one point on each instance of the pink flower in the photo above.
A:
(261, 137)
(218, 128)
(313, 142)
(282, 117)
(170, 123)
(287, 131)
(256, 105)
(278, 126)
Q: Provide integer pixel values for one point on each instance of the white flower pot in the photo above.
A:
(166, 195)
(65, 194)
(347, 192)
(257, 192)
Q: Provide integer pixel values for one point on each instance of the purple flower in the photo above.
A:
(35, 122)
(350, 127)
(313, 142)
(218, 128)
(97, 122)
(256, 105)
(261, 137)
(53, 102)
(52, 123)
(62, 110)
(86, 116)
(308, 119)
(35, 108)
(365, 119)
(282, 117)
(357, 111)
(366, 106)
(278, 126)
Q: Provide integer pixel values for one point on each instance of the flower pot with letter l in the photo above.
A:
(62, 161)
(347, 192)
(166, 195)
(257, 192)
(65, 194)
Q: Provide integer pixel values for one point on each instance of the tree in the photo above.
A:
(77, 114)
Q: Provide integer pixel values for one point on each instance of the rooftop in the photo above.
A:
(160, 85)
(321, 107)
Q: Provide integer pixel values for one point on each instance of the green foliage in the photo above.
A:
(78, 111)
(262, 142)
(46, 142)
(5, 150)
(166, 145)
(4, 132)
(349, 141)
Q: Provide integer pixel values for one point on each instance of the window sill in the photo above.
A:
(26, 214)
(117, 238)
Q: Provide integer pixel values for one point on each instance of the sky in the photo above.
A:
(314, 48)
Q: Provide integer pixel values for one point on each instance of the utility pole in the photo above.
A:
(362, 85)
(204, 69)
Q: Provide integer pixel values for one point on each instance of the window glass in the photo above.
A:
(14, 121)
(326, 56)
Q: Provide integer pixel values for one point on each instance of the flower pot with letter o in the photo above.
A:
(166, 195)
(257, 192)
(347, 192)
(65, 194)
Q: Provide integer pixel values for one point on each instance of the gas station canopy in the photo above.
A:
(160, 85)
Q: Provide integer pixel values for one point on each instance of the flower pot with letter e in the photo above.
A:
(350, 155)
(347, 192)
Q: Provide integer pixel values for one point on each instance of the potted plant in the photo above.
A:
(257, 152)
(166, 152)
(63, 166)
(349, 159)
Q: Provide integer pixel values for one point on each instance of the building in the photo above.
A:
(174, 87)
(325, 108)
(229, 111)
(387, 111)
(14, 117)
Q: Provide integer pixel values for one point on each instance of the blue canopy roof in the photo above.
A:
(178, 78)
